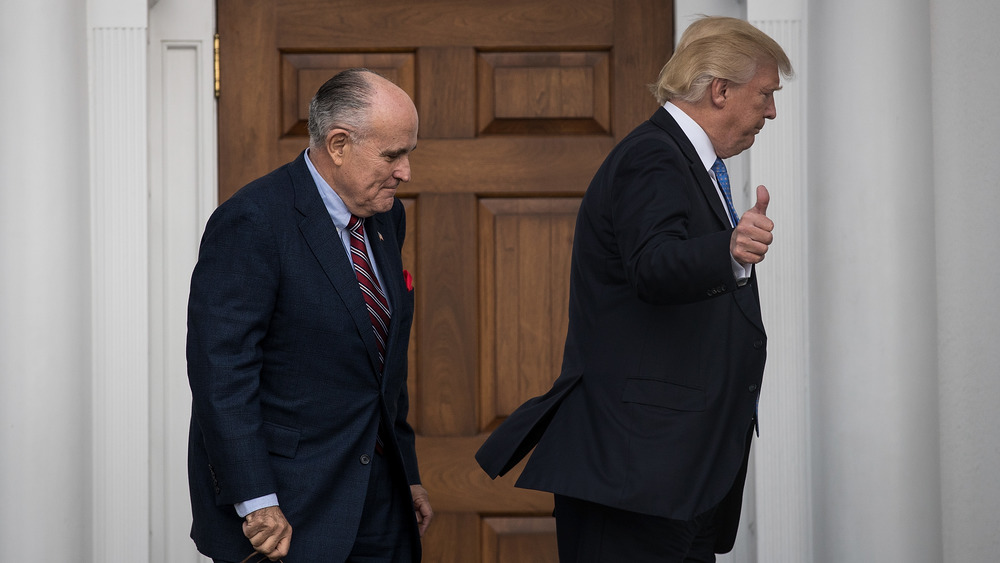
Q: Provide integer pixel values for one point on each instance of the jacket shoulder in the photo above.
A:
(269, 186)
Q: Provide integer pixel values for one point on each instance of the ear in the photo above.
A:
(719, 91)
(336, 144)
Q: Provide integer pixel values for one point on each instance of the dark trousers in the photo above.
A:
(587, 532)
(388, 531)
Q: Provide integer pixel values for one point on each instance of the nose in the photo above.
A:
(403, 170)
(772, 111)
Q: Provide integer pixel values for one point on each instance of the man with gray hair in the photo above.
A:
(298, 325)
(644, 437)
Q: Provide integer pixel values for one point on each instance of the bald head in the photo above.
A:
(347, 101)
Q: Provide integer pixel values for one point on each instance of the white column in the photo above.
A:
(967, 214)
(778, 161)
(872, 292)
(45, 315)
(120, 298)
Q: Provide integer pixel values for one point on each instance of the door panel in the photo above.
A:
(522, 305)
(519, 102)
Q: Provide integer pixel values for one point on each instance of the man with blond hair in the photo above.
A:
(644, 437)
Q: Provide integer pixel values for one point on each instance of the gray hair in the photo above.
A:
(342, 101)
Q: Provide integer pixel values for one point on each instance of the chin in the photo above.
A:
(384, 206)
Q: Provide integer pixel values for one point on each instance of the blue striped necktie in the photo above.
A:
(722, 176)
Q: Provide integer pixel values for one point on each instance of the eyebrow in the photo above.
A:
(398, 152)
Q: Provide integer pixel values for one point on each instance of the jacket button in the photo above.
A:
(753, 387)
(365, 459)
(758, 344)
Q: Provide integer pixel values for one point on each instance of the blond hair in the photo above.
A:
(716, 47)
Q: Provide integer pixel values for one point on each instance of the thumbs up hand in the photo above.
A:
(752, 235)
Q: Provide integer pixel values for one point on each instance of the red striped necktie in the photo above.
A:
(378, 306)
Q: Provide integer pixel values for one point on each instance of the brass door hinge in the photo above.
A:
(216, 57)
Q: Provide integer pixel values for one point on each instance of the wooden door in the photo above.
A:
(519, 102)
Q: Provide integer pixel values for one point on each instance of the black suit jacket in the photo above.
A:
(282, 363)
(663, 361)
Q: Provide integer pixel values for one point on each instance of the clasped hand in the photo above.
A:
(269, 532)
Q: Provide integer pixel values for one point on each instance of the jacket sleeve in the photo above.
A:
(232, 297)
(654, 196)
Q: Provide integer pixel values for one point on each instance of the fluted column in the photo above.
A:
(872, 292)
(120, 294)
(45, 313)
(779, 160)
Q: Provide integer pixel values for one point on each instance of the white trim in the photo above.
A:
(183, 188)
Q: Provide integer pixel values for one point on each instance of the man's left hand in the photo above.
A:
(752, 236)
(422, 507)
(269, 532)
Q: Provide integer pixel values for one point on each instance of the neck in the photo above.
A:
(323, 163)
(704, 114)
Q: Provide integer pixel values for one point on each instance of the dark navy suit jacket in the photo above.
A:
(665, 352)
(282, 365)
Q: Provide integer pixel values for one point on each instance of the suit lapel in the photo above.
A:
(665, 121)
(321, 235)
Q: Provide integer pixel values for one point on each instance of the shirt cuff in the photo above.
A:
(740, 272)
(246, 507)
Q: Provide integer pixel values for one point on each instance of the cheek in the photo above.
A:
(373, 180)
(382, 173)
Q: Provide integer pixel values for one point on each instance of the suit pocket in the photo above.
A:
(657, 393)
(281, 440)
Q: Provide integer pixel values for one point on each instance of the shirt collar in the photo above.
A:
(334, 205)
(695, 134)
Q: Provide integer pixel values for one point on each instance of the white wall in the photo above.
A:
(45, 359)
(966, 139)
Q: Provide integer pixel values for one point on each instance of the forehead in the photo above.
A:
(766, 77)
(394, 119)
